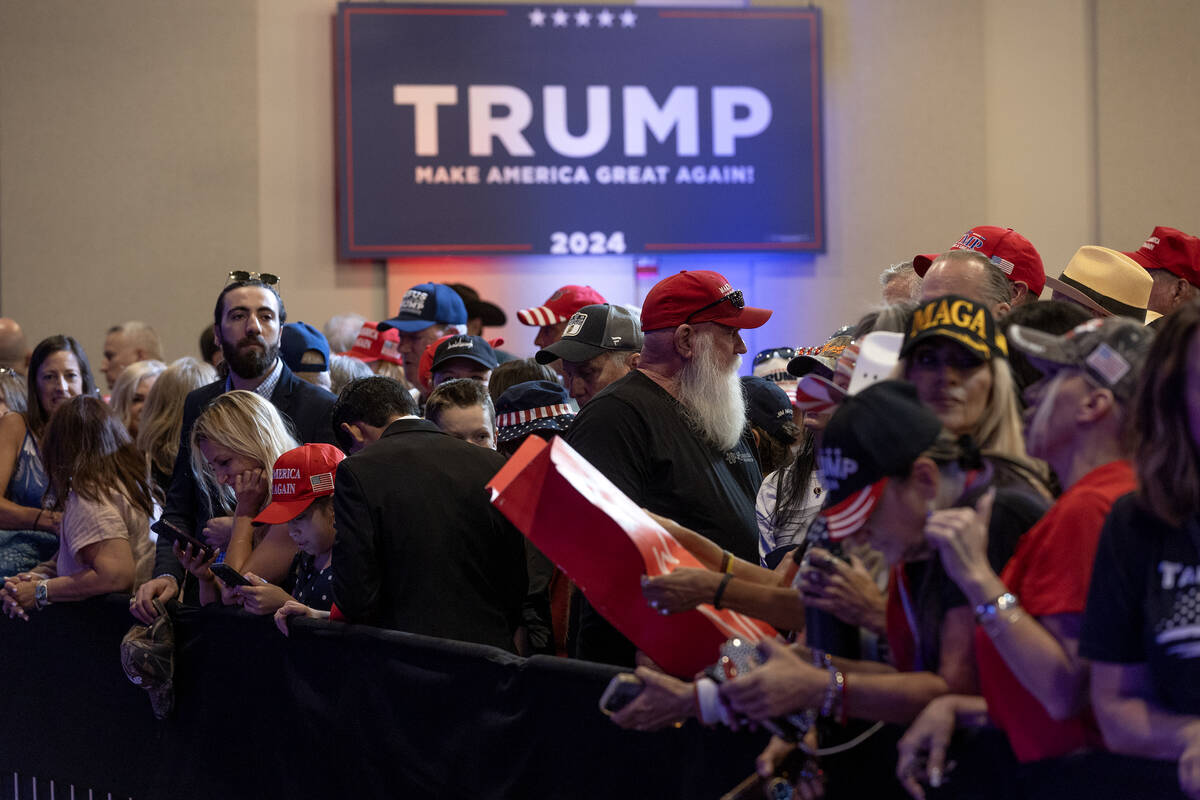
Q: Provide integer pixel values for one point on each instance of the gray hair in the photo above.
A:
(343, 369)
(341, 330)
(903, 269)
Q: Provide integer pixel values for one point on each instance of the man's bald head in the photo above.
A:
(969, 274)
(14, 351)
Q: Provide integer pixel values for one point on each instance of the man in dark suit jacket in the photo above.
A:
(248, 317)
(419, 546)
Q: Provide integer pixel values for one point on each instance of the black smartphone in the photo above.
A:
(821, 561)
(229, 576)
(622, 690)
(165, 527)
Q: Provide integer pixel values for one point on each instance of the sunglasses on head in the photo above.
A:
(262, 277)
(734, 298)
(787, 353)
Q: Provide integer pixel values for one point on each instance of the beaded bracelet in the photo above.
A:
(833, 693)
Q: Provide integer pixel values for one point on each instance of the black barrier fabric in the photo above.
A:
(332, 711)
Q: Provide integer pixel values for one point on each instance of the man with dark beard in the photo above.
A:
(248, 318)
(672, 434)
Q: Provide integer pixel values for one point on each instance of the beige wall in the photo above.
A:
(128, 163)
(1148, 121)
(148, 145)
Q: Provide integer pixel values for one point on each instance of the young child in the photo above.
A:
(301, 498)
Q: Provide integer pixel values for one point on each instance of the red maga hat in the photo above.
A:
(373, 344)
(1015, 255)
(1172, 250)
(299, 477)
(698, 296)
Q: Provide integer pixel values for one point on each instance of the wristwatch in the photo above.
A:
(41, 594)
(986, 612)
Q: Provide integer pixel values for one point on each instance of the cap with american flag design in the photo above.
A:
(874, 434)
(562, 304)
(299, 477)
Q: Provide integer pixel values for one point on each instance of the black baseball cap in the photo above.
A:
(768, 407)
(594, 330)
(874, 434)
(472, 348)
(961, 319)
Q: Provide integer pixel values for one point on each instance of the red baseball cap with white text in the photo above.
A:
(698, 296)
(1015, 255)
(1173, 250)
(299, 477)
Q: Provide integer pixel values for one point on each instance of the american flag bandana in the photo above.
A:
(528, 415)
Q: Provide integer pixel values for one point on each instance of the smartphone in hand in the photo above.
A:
(230, 576)
(165, 527)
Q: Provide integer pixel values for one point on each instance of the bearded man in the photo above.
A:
(248, 318)
(672, 434)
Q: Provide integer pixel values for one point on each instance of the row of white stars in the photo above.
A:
(583, 18)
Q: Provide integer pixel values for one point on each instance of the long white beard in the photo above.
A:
(712, 397)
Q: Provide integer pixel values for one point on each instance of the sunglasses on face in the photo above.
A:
(734, 299)
(262, 277)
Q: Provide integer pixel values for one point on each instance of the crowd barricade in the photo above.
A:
(332, 711)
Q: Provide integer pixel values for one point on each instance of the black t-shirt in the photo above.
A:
(638, 437)
(1144, 602)
(1014, 512)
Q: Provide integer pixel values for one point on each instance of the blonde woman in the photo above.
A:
(958, 361)
(162, 415)
(235, 440)
(130, 390)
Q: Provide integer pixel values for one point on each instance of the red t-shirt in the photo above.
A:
(1049, 573)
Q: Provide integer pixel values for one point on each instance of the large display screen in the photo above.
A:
(577, 130)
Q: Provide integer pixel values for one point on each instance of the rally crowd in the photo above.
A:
(972, 515)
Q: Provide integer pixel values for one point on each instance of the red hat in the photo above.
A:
(561, 305)
(375, 345)
(1172, 250)
(1015, 255)
(301, 476)
(698, 296)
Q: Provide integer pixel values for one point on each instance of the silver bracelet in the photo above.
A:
(990, 611)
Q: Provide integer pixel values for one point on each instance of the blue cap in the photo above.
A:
(427, 304)
(768, 407)
(296, 339)
(528, 406)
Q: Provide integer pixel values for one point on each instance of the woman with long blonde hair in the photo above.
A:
(130, 390)
(162, 415)
(958, 361)
(233, 444)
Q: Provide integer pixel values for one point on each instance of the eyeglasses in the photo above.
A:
(262, 277)
(735, 299)
(787, 353)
